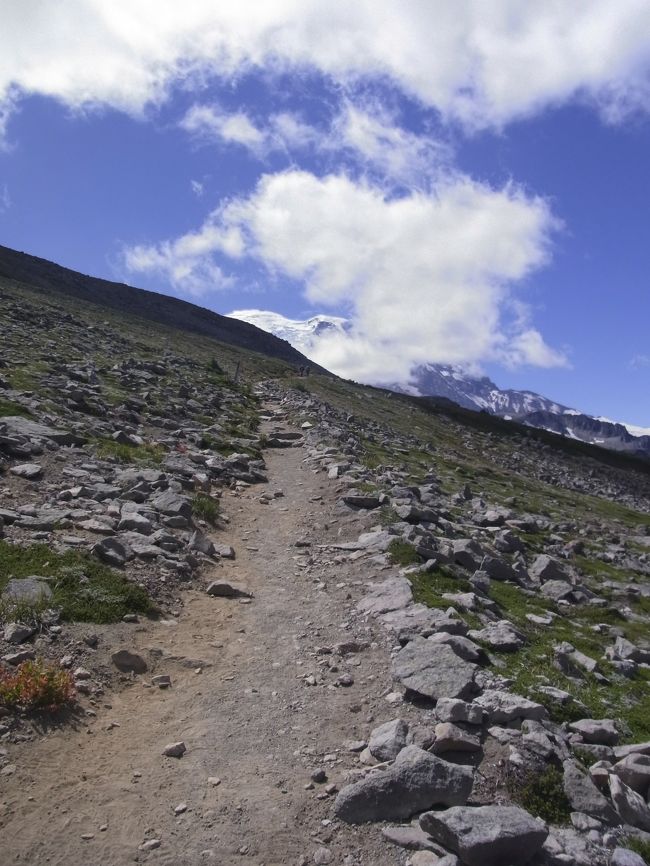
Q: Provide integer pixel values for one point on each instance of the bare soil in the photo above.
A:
(92, 790)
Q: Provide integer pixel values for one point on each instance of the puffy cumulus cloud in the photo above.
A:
(480, 63)
(208, 122)
(423, 277)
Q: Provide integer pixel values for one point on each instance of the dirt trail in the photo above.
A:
(248, 717)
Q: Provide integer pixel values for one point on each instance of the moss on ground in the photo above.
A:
(83, 588)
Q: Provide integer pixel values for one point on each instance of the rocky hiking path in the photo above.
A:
(257, 697)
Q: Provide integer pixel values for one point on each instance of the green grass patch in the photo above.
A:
(403, 553)
(542, 794)
(9, 408)
(147, 455)
(639, 846)
(83, 588)
(206, 508)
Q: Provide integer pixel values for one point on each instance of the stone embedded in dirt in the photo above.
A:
(16, 632)
(391, 594)
(32, 590)
(175, 750)
(502, 707)
(215, 781)
(462, 646)
(134, 522)
(322, 856)
(388, 740)
(150, 845)
(180, 809)
(434, 670)
(128, 662)
(225, 589)
(487, 835)
(172, 504)
(631, 806)
(201, 543)
(163, 681)
(416, 780)
(584, 796)
(557, 590)
(361, 500)
(29, 471)
(319, 776)
(411, 837)
(602, 732)
(224, 551)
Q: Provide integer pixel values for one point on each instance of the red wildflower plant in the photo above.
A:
(36, 685)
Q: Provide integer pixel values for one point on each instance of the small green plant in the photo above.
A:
(36, 685)
(403, 553)
(9, 408)
(27, 611)
(542, 794)
(206, 508)
(388, 516)
(639, 846)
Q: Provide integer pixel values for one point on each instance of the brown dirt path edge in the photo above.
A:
(247, 718)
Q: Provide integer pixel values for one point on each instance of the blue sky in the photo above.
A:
(467, 182)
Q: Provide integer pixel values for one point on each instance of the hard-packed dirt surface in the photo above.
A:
(240, 700)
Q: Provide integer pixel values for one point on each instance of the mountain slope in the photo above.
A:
(52, 278)
(470, 392)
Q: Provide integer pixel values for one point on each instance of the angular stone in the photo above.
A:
(361, 500)
(557, 590)
(112, 552)
(127, 661)
(16, 632)
(500, 635)
(545, 568)
(388, 740)
(434, 670)
(631, 806)
(172, 504)
(455, 710)
(416, 780)
(175, 750)
(410, 837)
(584, 796)
(487, 835)
(503, 707)
(626, 857)
(29, 471)
(634, 770)
(391, 594)
(134, 522)
(462, 646)
(599, 731)
(451, 738)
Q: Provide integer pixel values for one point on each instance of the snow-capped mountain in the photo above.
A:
(471, 392)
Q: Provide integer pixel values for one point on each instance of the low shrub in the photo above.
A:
(36, 685)
(206, 508)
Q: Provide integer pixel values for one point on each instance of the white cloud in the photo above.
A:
(481, 63)
(197, 188)
(208, 122)
(424, 277)
(5, 198)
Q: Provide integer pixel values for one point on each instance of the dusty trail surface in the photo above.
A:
(241, 701)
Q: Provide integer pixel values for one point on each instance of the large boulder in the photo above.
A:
(416, 781)
(630, 806)
(388, 740)
(32, 590)
(504, 707)
(392, 594)
(545, 568)
(602, 732)
(487, 835)
(434, 670)
(584, 796)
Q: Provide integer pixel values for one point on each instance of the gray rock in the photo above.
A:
(416, 780)
(173, 504)
(631, 806)
(500, 635)
(16, 632)
(224, 551)
(451, 738)
(29, 471)
(434, 670)
(411, 837)
(557, 590)
(388, 740)
(175, 750)
(462, 646)
(503, 707)
(33, 590)
(584, 796)
(391, 594)
(112, 552)
(634, 770)
(566, 847)
(16, 425)
(134, 522)
(545, 568)
(455, 710)
(201, 543)
(626, 857)
(487, 835)
(599, 731)
(17, 658)
(128, 662)
(225, 589)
